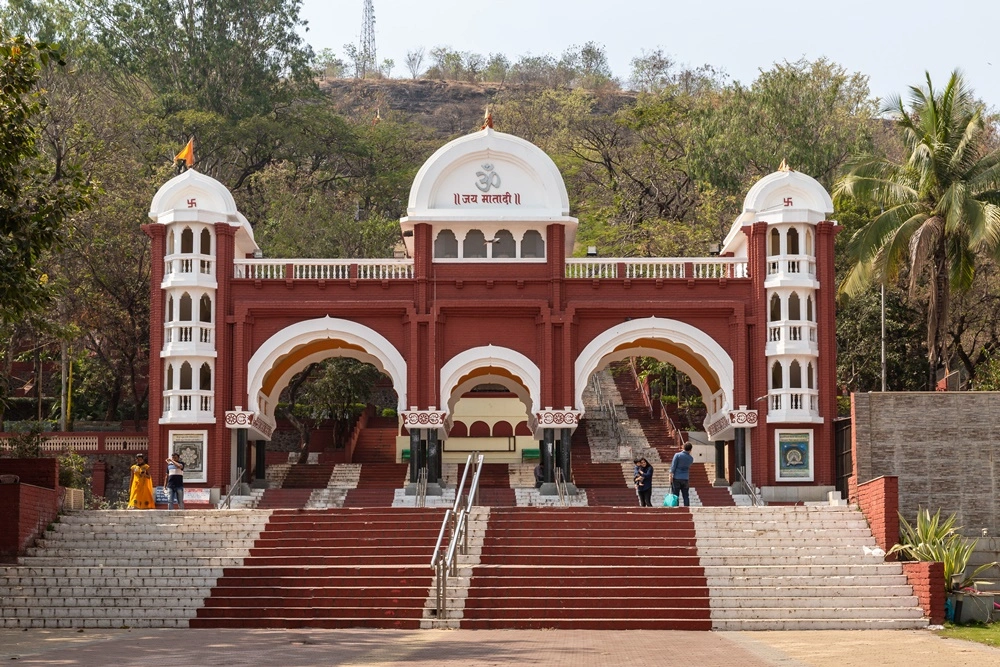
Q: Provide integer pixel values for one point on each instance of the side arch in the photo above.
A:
(293, 348)
(688, 348)
(491, 364)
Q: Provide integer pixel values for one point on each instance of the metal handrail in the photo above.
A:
(638, 385)
(561, 487)
(421, 497)
(444, 562)
(227, 501)
(755, 498)
(674, 431)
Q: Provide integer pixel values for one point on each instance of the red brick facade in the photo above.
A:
(927, 580)
(879, 502)
(29, 506)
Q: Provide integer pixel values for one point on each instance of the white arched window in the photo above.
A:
(185, 376)
(206, 242)
(170, 309)
(504, 246)
(792, 239)
(794, 310)
(474, 245)
(170, 242)
(774, 247)
(809, 243)
(185, 309)
(205, 310)
(795, 375)
(532, 245)
(170, 377)
(187, 241)
(446, 245)
(205, 377)
(809, 376)
(809, 309)
(775, 308)
(776, 379)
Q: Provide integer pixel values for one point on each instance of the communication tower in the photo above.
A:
(369, 60)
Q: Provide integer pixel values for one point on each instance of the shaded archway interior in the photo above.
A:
(489, 375)
(684, 359)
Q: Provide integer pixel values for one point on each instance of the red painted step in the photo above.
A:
(620, 568)
(380, 580)
(284, 498)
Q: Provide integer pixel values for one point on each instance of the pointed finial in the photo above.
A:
(784, 166)
(487, 119)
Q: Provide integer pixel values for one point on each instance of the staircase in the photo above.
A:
(588, 568)
(494, 485)
(377, 484)
(799, 568)
(125, 569)
(710, 496)
(377, 441)
(330, 569)
(721, 568)
(604, 483)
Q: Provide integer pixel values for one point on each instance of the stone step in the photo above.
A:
(716, 582)
(126, 560)
(756, 625)
(750, 596)
(822, 599)
(796, 569)
(91, 585)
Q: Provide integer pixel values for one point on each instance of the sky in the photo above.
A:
(894, 43)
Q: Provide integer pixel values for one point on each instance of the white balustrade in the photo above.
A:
(658, 268)
(654, 268)
(323, 269)
(184, 332)
(591, 268)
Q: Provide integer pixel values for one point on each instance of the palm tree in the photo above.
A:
(939, 205)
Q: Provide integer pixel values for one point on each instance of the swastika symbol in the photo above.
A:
(788, 201)
(193, 203)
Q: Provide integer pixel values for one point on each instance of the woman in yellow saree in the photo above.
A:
(140, 494)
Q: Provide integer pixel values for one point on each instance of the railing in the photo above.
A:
(657, 268)
(185, 263)
(750, 489)
(561, 487)
(421, 498)
(85, 442)
(794, 399)
(237, 483)
(323, 269)
(791, 265)
(174, 332)
(787, 332)
(444, 560)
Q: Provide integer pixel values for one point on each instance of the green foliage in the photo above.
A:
(37, 197)
(814, 114)
(935, 540)
(938, 205)
(388, 412)
(982, 634)
(27, 442)
(72, 470)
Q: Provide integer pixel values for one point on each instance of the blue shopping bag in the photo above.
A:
(670, 500)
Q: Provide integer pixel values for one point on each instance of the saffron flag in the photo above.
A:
(187, 154)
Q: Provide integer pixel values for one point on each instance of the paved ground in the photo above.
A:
(572, 648)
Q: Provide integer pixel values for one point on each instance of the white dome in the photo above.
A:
(195, 197)
(783, 196)
(465, 177)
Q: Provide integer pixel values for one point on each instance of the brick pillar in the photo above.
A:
(927, 580)
(879, 502)
(98, 478)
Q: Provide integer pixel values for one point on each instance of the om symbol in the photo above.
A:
(487, 178)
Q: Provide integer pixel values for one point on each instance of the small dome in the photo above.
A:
(783, 196)
(193, 191)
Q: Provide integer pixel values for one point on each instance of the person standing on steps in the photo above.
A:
(680, 469)
(644, 482)
(174, 483)
(140, 493)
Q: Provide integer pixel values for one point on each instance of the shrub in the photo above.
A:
(934, 540)
(388, 412)
(71, 470)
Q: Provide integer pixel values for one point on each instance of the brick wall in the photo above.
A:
(927, 580)
(879, 502)
(943, 446)
(27, 510)
(42, 472)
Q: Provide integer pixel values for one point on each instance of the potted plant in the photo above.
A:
(934, 540)
(73, 478)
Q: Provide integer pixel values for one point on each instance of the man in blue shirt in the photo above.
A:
(680, 468)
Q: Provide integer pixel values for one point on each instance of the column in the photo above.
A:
(241, 459)
(741, 458)
(433, 457)
(565, 438)
(415, 462)
(548, 454)
(720, 464)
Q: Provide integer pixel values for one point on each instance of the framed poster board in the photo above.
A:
(191, 448)
(794, 456)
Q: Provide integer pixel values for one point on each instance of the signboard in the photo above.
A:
(191, 447)
(794, 456)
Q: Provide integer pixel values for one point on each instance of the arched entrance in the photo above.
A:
(295, 347)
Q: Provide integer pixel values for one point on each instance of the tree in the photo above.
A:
(939, 204)
(814, 114)
(37, 197)
(415, 61)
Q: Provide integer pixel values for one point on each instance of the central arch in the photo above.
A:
(688, 348)
(491, 364)
(293, 348)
